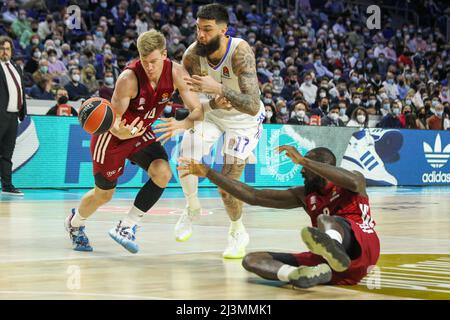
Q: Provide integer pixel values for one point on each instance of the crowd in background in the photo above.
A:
(322, 66)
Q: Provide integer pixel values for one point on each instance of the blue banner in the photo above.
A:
(53, 152)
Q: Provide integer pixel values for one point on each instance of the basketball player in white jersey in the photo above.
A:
(224, 70)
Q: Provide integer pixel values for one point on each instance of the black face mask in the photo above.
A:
(324, 107)
(204, 50)
(293, 82)
(63, 100)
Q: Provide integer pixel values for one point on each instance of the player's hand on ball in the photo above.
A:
(125, 131)
(191, 166)
(169, 127)
(292, 153)
(205, 84)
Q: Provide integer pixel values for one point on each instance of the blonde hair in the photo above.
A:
(150, 41)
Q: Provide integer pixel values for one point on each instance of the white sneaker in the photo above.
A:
(183, 228)
(237, 242)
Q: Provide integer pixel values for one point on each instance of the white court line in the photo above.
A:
(84, 294)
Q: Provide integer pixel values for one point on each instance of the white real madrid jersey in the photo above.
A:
(223, 73)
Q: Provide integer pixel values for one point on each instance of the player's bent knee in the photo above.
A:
(163, 177)
(104, 196)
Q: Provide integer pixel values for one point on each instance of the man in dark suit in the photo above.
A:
(12, 107)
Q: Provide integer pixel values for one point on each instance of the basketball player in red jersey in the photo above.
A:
(141, 93)
(343, 243)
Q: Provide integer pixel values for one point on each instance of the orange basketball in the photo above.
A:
(96, 115)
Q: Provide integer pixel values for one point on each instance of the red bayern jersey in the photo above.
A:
(335, 200)
(149, 103)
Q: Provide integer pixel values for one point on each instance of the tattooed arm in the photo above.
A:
(244, 66)
(191, 61)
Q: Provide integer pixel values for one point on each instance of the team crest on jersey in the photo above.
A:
(164, 98)
(226, 72)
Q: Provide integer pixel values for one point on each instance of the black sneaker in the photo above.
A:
(332, 251)
(11, 191)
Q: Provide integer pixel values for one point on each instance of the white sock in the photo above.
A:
(334, 235)
(134, 217)
(77, 220)
(284, 271)
(237, 225)
(190, 190)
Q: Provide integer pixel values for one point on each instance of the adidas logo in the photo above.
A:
(436, 157)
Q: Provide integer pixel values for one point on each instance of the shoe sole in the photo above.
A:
(321, 244)
(128, 248)
(12, 194)
(184, 239)
(241, 253)
(84, 249)
(313, 276)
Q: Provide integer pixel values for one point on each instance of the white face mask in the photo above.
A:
(357, 100)
(37, 54)
(109, 80)
(334, 116)
(52, 59)
(283, 110)
(76, 77)
(301, 114)
(361, 118)
(269, 114)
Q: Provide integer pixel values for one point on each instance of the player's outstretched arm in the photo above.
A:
(279, 199)
(171, 127)
(126, 89)
(353, 181)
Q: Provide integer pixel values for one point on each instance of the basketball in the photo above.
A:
(96, 116)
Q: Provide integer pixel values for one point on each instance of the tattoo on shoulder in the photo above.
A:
(191, 62)
(244, 66)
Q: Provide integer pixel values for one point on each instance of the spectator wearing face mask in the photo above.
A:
(75, 89)
(308, 89)
(33, 64)
(88, 78)
(282, 113)
(332, 118)
(46, 27)
(42, 71)
(343, 112)
(403, 88)
(436, 121)
(444, 95)
(320, 69)
(299, 115)
(290, 87)
(373, 106)
(359, 118)
(322, 109)
(55, 66)
(62, 108)
(382, 64)
(391, 87)
(405, 111)
(277, 81)
(421, 121)
(391, 119)
(107, 89)
(270, 114)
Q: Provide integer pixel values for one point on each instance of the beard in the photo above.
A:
(204, 50)
(315, 184)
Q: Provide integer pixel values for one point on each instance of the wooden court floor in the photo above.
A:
(36, 260)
